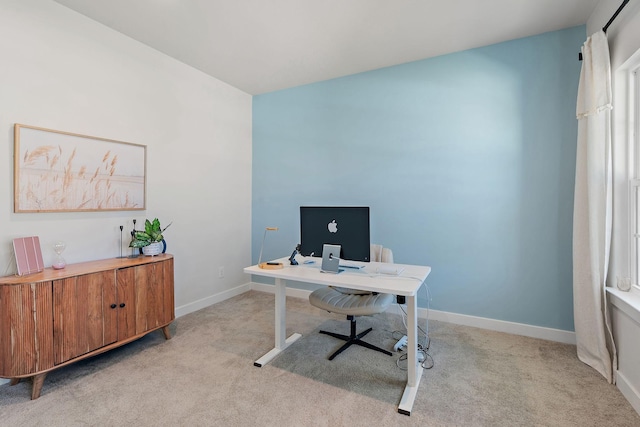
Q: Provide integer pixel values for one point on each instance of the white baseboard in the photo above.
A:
(628, 391)
(212, 299)
(550, 334)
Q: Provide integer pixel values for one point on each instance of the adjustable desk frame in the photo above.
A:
(407, 284)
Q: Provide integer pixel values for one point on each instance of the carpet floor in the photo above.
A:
(204, 376)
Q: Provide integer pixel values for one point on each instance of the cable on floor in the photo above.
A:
(427, 360)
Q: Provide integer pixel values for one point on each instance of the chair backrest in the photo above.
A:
(381, 254)
(377, 253)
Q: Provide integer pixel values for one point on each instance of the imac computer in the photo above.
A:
(347, 226)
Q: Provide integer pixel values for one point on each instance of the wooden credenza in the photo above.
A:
(57, 317)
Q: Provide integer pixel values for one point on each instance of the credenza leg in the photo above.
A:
(166, 332)
(38, 380)
(15, 381)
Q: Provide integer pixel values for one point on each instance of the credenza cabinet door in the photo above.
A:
(26, 323)
(160, 307)
(125, 290)
(84, 314)
(163, 305)
(153, 294)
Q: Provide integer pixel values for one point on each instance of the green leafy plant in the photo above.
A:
(152, 233)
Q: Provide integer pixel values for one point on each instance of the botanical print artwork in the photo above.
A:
(58, 171)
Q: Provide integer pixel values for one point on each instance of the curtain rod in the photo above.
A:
(615, 15)
(606, 27)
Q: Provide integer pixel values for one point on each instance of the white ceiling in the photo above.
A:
(260, 46)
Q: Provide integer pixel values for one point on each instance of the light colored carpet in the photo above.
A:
(204, 376)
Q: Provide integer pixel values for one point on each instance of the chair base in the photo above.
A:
(353, 339)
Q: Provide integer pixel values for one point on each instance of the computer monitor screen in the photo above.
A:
(347, 226)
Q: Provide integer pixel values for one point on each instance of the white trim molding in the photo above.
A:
(628, 302)
(628, 390)
(541, 332)
(212, 299)
(625, 316)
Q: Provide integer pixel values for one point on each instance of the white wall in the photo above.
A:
(62, 71)
(624, 41)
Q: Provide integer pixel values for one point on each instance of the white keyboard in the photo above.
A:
(390, 270)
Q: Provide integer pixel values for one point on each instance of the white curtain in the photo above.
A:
(592, 208)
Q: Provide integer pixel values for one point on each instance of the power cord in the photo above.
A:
(13, 257)
(426, 360)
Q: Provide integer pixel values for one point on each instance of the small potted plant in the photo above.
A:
(151, 239)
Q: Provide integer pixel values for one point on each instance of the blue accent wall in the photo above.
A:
(467, 161)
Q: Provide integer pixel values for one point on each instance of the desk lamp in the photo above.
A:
(268, 265)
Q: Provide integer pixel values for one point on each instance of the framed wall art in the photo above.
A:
(57, 171)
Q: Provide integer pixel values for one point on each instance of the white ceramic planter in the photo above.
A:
(152, 249)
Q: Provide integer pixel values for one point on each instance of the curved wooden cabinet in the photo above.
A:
(57, 317)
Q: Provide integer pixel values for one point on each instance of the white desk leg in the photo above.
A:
(414, 368)
(280, 326)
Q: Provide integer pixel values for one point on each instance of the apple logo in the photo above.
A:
(333, 227)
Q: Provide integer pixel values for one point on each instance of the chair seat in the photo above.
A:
(332, 300)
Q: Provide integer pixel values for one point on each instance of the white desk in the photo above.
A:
(407, 284)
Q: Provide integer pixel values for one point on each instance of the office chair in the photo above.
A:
(352, 303)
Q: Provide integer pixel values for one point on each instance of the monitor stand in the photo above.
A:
(331, 259)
